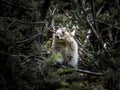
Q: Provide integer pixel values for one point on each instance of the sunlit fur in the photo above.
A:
(66, 45)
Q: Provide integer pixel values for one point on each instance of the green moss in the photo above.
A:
(55, 57)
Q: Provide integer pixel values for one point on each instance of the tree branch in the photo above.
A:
(88, 21)
(26, 40)
(45, 7)
(70, 17)
(101, 8)
(14, 4)
(104, 22)
(23, 22)
(91, 25)
(89, 72)
(78, 70)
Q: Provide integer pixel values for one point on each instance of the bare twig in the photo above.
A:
(11, 24)
(101, 8)
(95, 23)
(104, 22)
(53, 43)
(14, 4)
(52, 26)
(14, 20)
(70, 17)
(23, 22)
(52, 18)
(26, 40)
(1, 27)
(84, 1)
(81, 48)
(91, 25)
(89, 72)
(88, 21)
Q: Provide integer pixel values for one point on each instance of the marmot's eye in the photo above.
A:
(63, 33)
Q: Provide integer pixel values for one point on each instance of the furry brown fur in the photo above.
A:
(66, 45)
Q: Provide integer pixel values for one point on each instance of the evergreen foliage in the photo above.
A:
(26, 60)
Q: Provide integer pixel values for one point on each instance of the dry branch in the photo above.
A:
(26, 40)
(92, 27)
(79, 70)
(89, 72)
(20, 21)
(14, 4)
(105, 22)
(101, 8)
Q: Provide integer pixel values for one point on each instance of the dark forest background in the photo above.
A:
(26, 59)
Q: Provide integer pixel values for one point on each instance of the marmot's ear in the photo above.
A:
(73, 32)
(56, 28)
(64, 28)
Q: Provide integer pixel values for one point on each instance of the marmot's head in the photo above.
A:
(63, 33)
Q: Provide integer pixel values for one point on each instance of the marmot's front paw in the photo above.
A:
(59, 64)
(70, 66)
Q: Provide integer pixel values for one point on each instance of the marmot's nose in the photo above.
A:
(57, 37)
